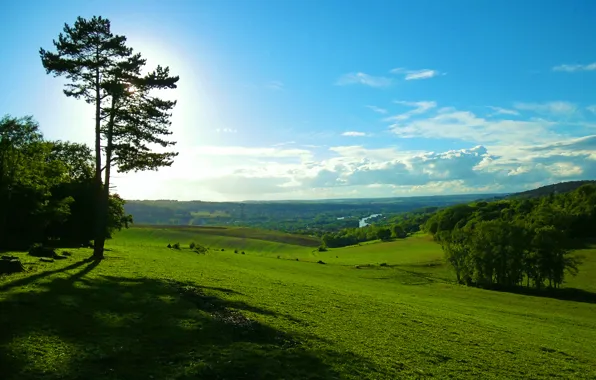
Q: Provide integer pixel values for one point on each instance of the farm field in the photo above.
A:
(377, 311)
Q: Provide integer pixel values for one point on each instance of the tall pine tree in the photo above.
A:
(104, 72)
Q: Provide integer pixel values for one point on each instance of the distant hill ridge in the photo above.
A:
(556, 188)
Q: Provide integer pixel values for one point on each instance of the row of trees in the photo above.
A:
(516, 241)
(46, 189)
(352, 236)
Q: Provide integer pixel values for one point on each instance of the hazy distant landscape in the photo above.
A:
(297, 190)
(288, 216)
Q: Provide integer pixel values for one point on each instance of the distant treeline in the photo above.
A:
(301, 217)
(47, 189)
(517, 241)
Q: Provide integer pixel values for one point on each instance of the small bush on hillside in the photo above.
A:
(169, 245)
(320, 262)
(176, 246)
(235, 251)
(200, 249)
(242, 252)
(322, 248)
(193, 245)
(383, 264)
(38, 250)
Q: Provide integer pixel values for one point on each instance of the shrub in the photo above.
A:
(176, 246)
(38, 250)
(320, 262)
(193, 245)
(322, 248)
(200, 249)
(235, 251)
(169, 245)
(383, 264)
(222, 249)
(242, 252)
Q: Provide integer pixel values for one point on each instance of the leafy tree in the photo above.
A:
(104, 72)
(384, 234)
(46, 189)
(398, 231)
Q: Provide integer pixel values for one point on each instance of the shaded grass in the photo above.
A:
(150, 311)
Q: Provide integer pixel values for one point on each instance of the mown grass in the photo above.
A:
(151, 312)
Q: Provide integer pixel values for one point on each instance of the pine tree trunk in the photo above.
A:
(105, 191)
(99, 240)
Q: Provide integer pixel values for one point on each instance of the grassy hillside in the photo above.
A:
(152, 312)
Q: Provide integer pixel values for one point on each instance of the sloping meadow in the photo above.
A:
(377, 311)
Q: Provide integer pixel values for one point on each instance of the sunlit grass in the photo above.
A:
(173, 314)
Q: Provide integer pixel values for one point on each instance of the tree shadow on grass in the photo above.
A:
(563, 294)
(38, 276)
(141, 328)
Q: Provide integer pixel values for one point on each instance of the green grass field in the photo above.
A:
(149, 312)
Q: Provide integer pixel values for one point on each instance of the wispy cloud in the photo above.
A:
(377, 109)
(226, 130)
(354, 134)
(575, 67)
(243, 151)
(419, 108)
(502, 111)
(365, 79)
(416, 74)
(466, 126)
(553, 108)
(591, 108)
(275, 85)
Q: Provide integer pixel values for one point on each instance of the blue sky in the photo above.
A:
(287, 99)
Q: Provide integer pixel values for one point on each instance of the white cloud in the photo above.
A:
(554, 108)
(570, 68)
(251, 152)
(365, 79)
(275, 85)
(226, 130)
(419, 108)
(466, 126)
(422, 74)
(354, 134)
(591, 108)
(502, 111)
(377, 109)
(358, 171)
(416, 74)
(485, 154)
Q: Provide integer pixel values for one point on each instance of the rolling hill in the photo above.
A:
(376, 311)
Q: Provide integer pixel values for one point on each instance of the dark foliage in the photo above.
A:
(46, 190)
(517, 241)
